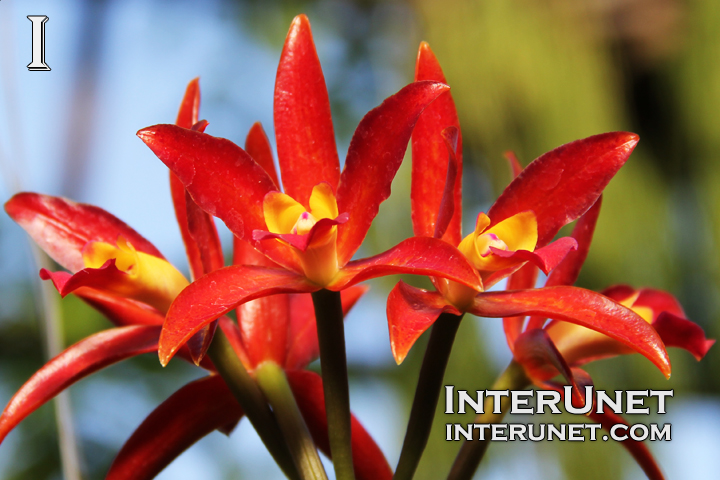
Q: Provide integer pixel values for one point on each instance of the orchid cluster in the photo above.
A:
(293, 276)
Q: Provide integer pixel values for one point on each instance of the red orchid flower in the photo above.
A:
(514, 236)
(126, 278)
(313, 229)
(547, 349)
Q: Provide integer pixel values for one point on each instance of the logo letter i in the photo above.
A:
(38, 43)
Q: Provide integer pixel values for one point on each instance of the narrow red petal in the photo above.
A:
(410, 312)
(257, 146)
(520, 280)
(368, 459)
(217, 293)
(545, 258)
(566, 273)
(429, 157)
(515, 167)
(542, 361)
(203, 231)
(581, 307)
(78, 361)
(179, 196)
(62, 227)
(232, 332)
(190, 105)
(416, 255)
(121, 311)
(263, 326)
(185, 417)
(303, 124)
(302, 336)
(564, 183)
(375, 154)
(449, 204)
(220, 176)
(680, 332)
(657, 300)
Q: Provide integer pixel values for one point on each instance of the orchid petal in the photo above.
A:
(449, 203)
(545, 258)
(410, 312)
(541, 360)
(220, 176)
(302, 336)
(263, 326)
(190, 105)
(62, 227)
(417, 255)
(375, 154)
(217, 293)
(430, 167)
(581, 307)
(222, 179)
(656, 300)
(232, 332)
(78, 361)
(562, 184)
(121, 311)
(524, 278)
(179, 197)
(303, 123)
(680, 332)
(185, 417)
(515, 167)
(368, 460)
(204, 233)
(566, 273)
(257, 146)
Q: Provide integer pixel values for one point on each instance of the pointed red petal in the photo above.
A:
(121, 311)
(232, 332)
(680, 332)
(581, 307)
(638, 450)
(302, 336)
(263, 326)
(545, 258)
(520, 280)
(220, 176)
(190, 106)
(416, 255)
(185, 417)
(258, 147)
(657, 300)
(567, 271)
(303, 124)
(449, 204)
(515, 167)
(429, 158)
(179, 196)
(85, 357)
(542, 361)
(375, 154)
(217, 293)
(204, 233)
(410, 312)
(368, 459)
(562, 184)
(62, 227)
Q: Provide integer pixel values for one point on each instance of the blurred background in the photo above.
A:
(527, 75)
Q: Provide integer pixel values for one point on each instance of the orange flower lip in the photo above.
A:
(303, 241)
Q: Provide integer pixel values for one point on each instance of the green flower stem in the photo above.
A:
(473, 451)
(252, 401)
(331, 337)
(427, 393)
(273, 382)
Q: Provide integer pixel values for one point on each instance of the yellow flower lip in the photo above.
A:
(518, 232)
(311, 233)
(141, 276)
